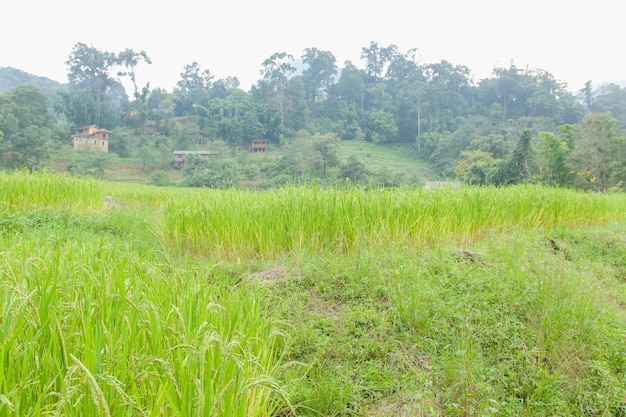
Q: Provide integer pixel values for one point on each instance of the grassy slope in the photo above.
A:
(529, 322)
(402, 158)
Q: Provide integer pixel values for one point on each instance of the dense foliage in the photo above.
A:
(467, 129)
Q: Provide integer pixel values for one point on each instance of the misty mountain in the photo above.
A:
(13, 77)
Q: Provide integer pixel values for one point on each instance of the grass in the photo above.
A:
(304, 221)
(400, 158)
(397, 158)
(309, 302)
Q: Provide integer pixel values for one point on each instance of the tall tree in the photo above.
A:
(586, 95)
(318, 76)
(509, 88)
(193, 89)
(194, 77)
(129, 59)
(377, 58)
(446, 91)
(407, 84)
(89, 69)
(276, 70)
(296, 107)
(350, 86)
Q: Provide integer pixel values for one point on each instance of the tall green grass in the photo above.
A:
(23, 189)
(91, 328)
(150, 307)
(296, 221)
(97, 319)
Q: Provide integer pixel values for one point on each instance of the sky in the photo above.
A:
(576, 41)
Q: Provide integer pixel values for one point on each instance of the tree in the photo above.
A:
(318, 76)
(192, 89)
(97, 165)
(160, 179)
(252, 127)
(213, 173)
(29, 146)
(26, 127)
(600, 150)
(296, 108)
(553, 153)
(447, 147)
(301, 161)
(509, 87)
(611, 98)
(381, 127)
(276, 71)
(377, 58)
(231, 130)
(586, 95)
(327, 146)
(516, 169)
(271, 121)
(445, 95)
(473, 167)
(153, 157)
(160, 107)
(407, 84)
(493, 144)
(194, 78)
(123, 142)
(28, 104)
(354, 170)
(137, 114)
(89, 69)
(129, 59)
(351, 86)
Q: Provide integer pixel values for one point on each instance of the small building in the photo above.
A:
(258, 145)
(443, 184)
(90, 138)
(180, 156)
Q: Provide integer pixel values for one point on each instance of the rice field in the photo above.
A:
(129, 300)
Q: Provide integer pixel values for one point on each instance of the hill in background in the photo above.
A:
(13, 77)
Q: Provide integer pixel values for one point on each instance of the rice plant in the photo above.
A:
(477, 301)
(298, 221)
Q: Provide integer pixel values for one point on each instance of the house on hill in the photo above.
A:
(258, 145)
(181, 156)
(90, 138)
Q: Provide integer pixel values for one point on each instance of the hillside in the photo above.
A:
(12, 77)
(398, 158)
(465, 132)
(381, 160)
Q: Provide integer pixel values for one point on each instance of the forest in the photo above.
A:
(520, 125)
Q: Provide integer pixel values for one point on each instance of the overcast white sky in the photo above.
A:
(576, 41)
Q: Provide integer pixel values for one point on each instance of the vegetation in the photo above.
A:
(463, 129)
(124, 299)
